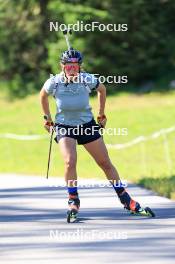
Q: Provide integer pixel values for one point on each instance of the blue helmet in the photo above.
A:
(71, 55)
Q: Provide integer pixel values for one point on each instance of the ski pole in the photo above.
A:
(65, 32)
(50, 148)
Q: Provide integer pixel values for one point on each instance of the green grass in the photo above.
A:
(164, 186)
(141, 114)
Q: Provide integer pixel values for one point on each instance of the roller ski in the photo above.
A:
(134, 207)
(143, 212)
(74, 205)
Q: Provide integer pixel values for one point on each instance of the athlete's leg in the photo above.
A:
(98, 151)
(68, 151)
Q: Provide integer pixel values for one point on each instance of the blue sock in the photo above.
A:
(125, 197)
(118, 189)
(72, 190)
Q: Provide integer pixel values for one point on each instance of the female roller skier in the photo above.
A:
(71, 89)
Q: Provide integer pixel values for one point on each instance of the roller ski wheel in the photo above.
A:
(143, 212)
(72, 216)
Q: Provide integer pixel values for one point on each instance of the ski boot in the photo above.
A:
(134, 207)
(74, 205)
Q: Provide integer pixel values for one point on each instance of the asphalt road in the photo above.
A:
(33, 226)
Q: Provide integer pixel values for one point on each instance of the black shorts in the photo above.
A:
(84, 134)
